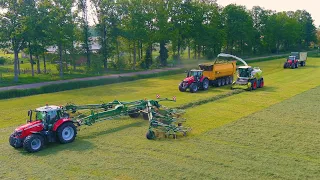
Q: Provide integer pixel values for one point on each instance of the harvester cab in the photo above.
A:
(248, 78)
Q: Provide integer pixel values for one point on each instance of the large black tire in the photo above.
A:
(15, 142)
(181, 88)
(150, 135)
(297, 65)
(219, 82)
(254, 84)
(223, 81)
(134, 113)
(145, 116)
(67, 132)
(293, 66)
(285, 65)
(261, 85)
(193, 88)
(231, 80)
(205, 84)
(33, 143)
(228, 80)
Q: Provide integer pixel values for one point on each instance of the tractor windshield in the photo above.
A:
(244, 72)
(195, 73)
(291, 58)
(40, 115)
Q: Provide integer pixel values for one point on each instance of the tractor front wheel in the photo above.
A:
(33, 143)
(181, 88)
(193, 88)
(293, 66)
(205, 84)
(67, 132)
(150, 135)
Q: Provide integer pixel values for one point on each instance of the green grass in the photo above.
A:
(251, 135)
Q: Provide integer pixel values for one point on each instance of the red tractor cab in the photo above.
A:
(194, 81)
(50, 124)
(292, 62)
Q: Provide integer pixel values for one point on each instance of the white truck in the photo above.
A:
(301, 57)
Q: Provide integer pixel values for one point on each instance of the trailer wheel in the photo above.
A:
(193, 88)
(231, 80)
(223, 81)
(218, 82)
(150, 135)
(33, 143)
(205, 84)
(67, 132)
(134, 113)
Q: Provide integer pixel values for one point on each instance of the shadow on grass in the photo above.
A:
(269, 89)
(79, 145)
(113, 130)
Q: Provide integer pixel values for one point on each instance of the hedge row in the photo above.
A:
(80, 84)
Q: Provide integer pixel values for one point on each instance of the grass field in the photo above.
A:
(264, 134)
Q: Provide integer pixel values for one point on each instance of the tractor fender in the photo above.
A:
(59, 123)
(203, 78)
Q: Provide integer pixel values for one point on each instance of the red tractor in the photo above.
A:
(51, 124)
(194, 81)
(292, 62)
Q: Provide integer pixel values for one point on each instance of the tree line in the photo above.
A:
(129, 31)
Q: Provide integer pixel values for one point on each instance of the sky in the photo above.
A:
(312, 6)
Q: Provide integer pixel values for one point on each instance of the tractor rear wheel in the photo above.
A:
(284, 65)
(134, 113)
(67, 132)
(150, 135)
(205, 84)
(193, 88)
(33, 143)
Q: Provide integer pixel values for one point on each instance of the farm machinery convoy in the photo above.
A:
(54, 123)
(221, 72)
